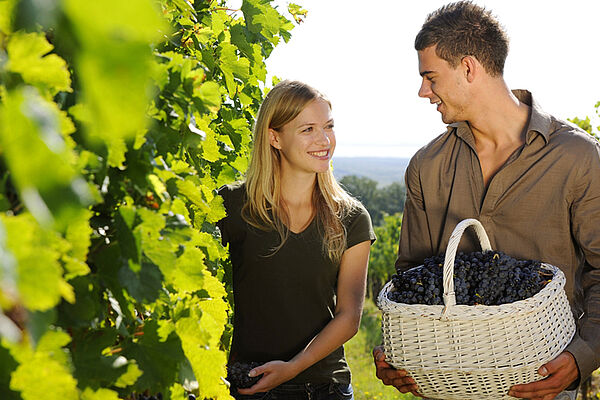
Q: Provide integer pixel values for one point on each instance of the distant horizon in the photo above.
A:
(383, 170)
(366, 151)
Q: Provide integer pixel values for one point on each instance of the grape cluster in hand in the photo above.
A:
(146, 396)
(237, 374)
(488, 278)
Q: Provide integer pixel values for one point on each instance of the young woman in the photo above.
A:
(299, 247)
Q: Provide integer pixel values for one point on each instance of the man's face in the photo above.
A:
(443, 85)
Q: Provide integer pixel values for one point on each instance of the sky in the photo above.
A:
(360, 54)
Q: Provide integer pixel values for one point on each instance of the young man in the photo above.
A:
(531, 179)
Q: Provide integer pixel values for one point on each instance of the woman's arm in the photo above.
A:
(350, 297)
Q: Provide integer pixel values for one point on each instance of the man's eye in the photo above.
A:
(330, 126)
(309, 129)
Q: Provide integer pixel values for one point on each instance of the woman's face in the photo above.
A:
(306, 143)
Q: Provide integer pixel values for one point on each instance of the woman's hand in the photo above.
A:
(275, 373)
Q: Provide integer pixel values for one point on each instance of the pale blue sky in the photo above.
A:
(360, 54)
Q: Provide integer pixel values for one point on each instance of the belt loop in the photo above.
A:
(331, 388)
(308, 388)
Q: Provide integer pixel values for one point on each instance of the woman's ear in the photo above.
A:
(274, 138)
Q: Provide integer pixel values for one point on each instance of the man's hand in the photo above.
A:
(391, 376)
(560, 372)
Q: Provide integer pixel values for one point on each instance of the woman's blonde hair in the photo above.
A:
(264, 208)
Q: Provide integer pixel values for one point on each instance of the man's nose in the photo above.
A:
(425, 89)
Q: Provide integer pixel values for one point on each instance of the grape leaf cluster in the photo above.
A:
(488, 278)
(237, 374)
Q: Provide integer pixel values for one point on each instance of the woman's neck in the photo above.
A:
(297, 197)
(297, 189)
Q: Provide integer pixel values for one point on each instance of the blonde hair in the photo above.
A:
(264, 207)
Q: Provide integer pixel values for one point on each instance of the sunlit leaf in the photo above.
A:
(210, 95)
(28, 56)
(45, 373)
(129, 377)
(100, 394)
(39, 274)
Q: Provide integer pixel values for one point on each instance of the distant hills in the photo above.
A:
(384, 170)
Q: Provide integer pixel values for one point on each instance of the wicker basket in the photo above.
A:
(475, 352)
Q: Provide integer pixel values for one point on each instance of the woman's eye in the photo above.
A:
(330, 126)
(309, 129)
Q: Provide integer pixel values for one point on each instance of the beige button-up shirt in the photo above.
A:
(543, 204)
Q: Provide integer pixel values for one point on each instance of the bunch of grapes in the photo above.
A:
(488, 278)
(237, 374)
(145, 396)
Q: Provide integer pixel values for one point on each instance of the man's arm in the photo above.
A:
(582, 355)
(415, 240)
(585, 218)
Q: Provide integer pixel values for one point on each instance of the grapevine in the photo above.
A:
(119, 120)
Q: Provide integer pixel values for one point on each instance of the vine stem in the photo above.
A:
(225, 9)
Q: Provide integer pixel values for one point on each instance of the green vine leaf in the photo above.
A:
(28, 56)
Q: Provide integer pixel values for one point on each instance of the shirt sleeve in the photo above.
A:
(415, 244)
(222, 223)
(585, 210)
(360, 227)
(232, 226)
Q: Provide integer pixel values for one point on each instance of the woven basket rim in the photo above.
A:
(479, 311)
(478, 370)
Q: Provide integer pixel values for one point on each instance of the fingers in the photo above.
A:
(396, 377)
(565, 360)
(261, 369)
(393, 377)
(256, 388)
(260, 385)
(378, 353)
(560, 372)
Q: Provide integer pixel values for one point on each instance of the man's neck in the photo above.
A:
(499, 127)
(497, 116)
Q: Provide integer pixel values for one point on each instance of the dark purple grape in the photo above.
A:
(237, 374)
(489, 278)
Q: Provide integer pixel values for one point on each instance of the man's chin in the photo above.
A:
(448, 119)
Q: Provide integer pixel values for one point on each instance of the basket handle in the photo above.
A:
(484, 242)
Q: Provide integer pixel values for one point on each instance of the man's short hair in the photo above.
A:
(465, 29)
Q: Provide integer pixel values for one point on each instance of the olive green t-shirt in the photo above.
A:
(283, 300)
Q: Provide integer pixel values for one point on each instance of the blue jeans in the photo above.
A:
(306, 391)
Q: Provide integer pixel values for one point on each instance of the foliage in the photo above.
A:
(586, 124)
(359, 355)
(385, 206)
(378, 201)
(118, 122)
(383, 254)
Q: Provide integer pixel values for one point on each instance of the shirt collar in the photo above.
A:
(539, 121)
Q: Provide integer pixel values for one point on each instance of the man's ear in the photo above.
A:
(471, 67)
(274, 138)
